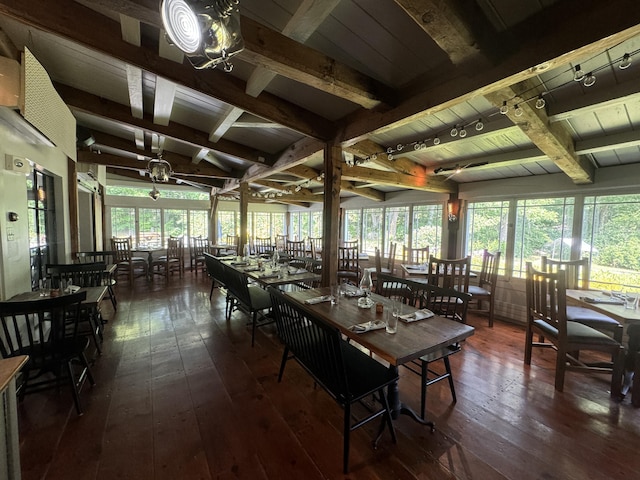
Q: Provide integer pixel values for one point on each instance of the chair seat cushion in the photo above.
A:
(260, 298)
(577, 333)
(590, 317)
(478, 291)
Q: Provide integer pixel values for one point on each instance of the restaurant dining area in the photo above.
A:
(342, 239)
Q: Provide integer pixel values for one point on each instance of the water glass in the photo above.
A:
(630, 301)
(392, 323)
(335, 294)
(396, 307)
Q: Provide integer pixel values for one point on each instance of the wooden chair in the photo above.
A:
(252, 299)
(167, 265)
(199, 247)
(348, 265)
(577, 277)
(39, 329)
(546, 316)
(296, 253)
(262, 246)
(414, 256)
(346, 373)
(181, 249)
(487, 282)
(315, 247)
(126, 262)
(281, 241)
(105, 257)
(449, 303)
(90, 320)
(449, 273)
(397, 288)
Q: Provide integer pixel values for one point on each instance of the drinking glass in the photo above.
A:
(335, 294)
(392, 322)
(630, 301)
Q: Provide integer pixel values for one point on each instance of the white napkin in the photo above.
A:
(368, 326)
(417, 315)
(354, 293)
(296, 271)
(314, 300)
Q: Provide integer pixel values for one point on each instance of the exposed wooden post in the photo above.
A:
(72, 185)
(244, 215)
(331, 212)
(213, 219)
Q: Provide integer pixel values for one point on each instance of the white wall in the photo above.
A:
(15, 275)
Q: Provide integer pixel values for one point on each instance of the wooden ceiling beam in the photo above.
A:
(444, 26)
(395, 179)
(102, 34)
(286, 57)
(204, 183)
(82, 101)
(368, 148)
(554, 140)
(536, 50)
(204, 168)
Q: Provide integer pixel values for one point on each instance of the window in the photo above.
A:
(165, 192)
(352, 225)
(199, 223)
(543, 227)
(427, 228)
(175, 224)
(262, 224)
(316, 225)
(396, 228)
(123, 222)
(372, 226)
(226, 225)
(149, 231)
(611, 238)
(486, 228)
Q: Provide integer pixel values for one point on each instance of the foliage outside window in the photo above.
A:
(543, 227)
(123, 222)
(315, 228)
(487, 224)
(372, 230)
(352, 225)
(227, 222)
(199, 223)
(396, 229)
(427, 228)
(165, 192)
(611, 238)
(149, 230)
(175, 224)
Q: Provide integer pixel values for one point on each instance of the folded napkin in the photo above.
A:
(269, 275)
(296, 271)
(417, 315)
(353, 293)
(314, 300)
(368, 326)
(613, 301)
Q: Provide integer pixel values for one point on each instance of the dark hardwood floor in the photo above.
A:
(181, 394)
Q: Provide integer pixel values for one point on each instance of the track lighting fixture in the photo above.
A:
(578, 74)
(589, 80)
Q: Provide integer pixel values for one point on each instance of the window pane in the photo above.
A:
(371, 230)
(427, 228)
(123, 222)
(352, 225)
(277, 224)
(543, 227)
(175, 224)
(226, 225)
(295, 225)
(262, 225)
(199, 223)
(486, 228)
(396, 225)
(612, 240)
(316, 225)
(150, 222)
(304, 226)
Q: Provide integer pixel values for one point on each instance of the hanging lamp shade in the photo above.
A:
(208, 32)
(159, 170)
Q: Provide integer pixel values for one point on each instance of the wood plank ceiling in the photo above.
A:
(387, 81)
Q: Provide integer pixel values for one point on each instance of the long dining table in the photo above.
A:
(410, 342)
(268, 277)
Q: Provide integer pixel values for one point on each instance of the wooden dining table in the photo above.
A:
(268, 277)
(410, 342)
(602, 302)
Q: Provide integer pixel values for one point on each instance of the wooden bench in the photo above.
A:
(346, 373)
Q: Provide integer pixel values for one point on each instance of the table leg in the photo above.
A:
(398, 408)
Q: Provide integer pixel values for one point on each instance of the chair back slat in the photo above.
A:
(576, 271)
(489, 270)
(449, 273)
(446, 302)
(546, 298)
(80, 274)
(315, 345)
(122, 249)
